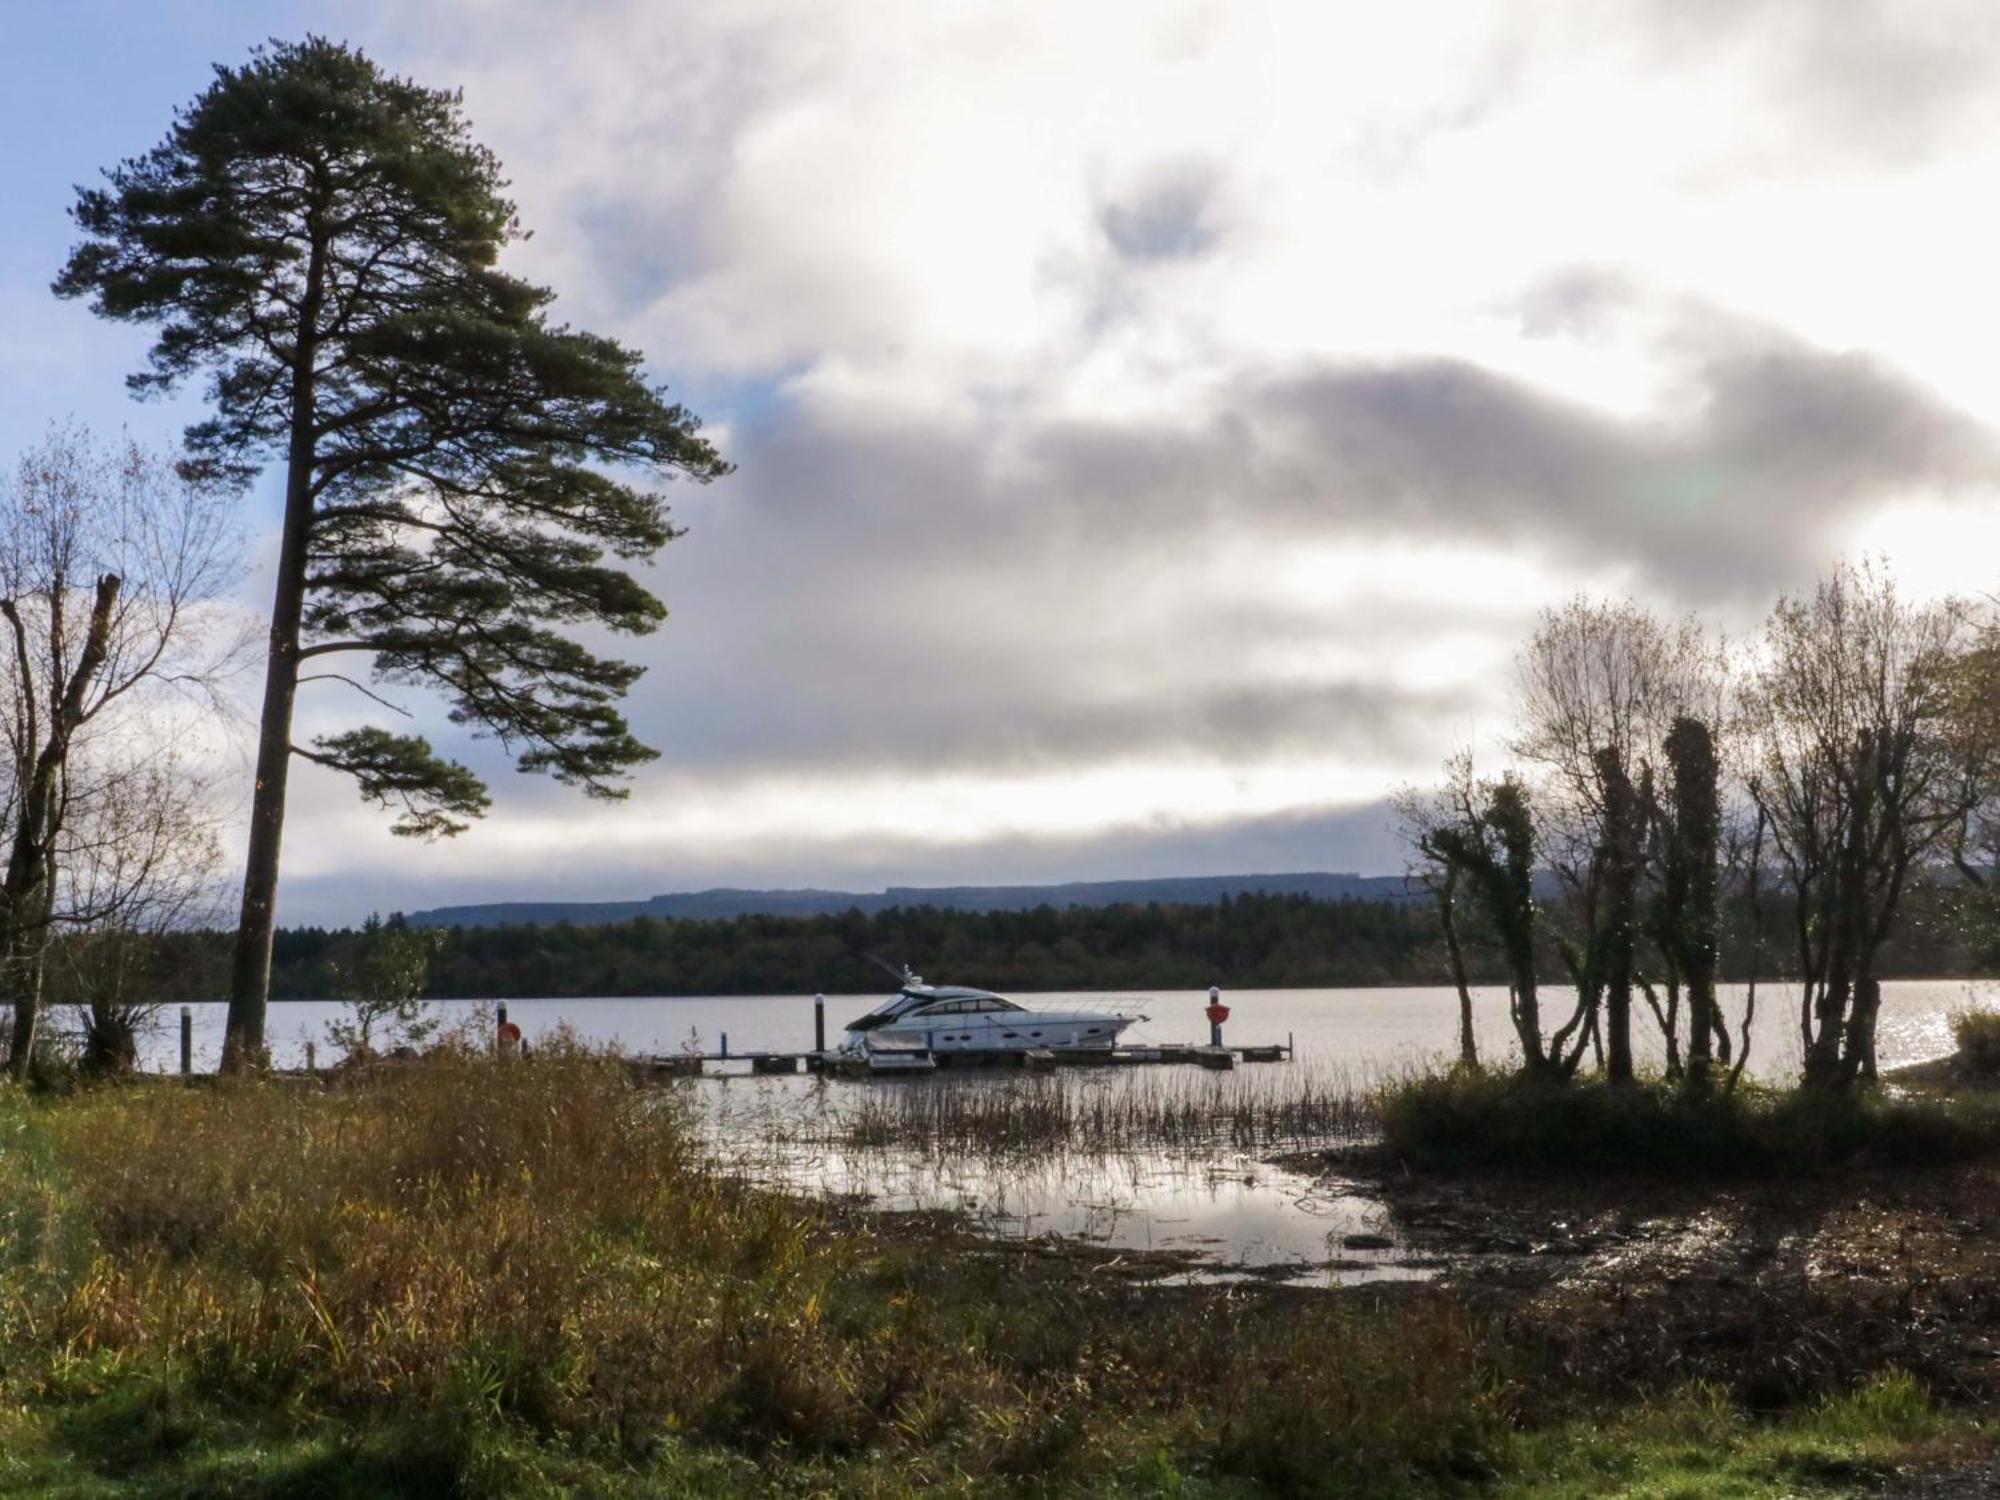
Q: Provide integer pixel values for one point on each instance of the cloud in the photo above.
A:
(1021, 586)
(1300, 839)
(1196, 402)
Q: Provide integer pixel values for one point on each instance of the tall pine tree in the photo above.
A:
(322, 240)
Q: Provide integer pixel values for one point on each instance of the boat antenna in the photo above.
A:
(901, 976)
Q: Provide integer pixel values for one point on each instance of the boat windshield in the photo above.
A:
(930, 1002)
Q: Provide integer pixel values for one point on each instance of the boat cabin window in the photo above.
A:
(983, 1003)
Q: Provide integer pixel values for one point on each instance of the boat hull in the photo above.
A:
(1017, 1031)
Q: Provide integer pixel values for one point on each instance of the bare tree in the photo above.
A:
(1600, 687)
(1479, 835)
(1423, 814)
(112, 566)
(140, 858)
(1863, 778)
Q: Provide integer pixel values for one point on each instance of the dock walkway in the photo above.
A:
(886, 1063)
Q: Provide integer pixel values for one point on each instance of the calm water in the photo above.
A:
(1220, 1216)
(1366, 1030)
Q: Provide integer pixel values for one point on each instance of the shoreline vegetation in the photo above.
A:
(461, 1276)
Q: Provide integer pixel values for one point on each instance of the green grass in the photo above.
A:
(1695, 1445)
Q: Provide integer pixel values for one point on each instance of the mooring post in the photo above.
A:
(312, 1059)
(499, 1025)
(725, 1044)
(819, 1023)
(187, 1040)
(1216, 1015)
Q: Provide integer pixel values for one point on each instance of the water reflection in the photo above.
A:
(1184, 1216)
(1186, 1220)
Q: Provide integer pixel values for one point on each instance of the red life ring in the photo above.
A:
(510, 1034)
(1218, 1013)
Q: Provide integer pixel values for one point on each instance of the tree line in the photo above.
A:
(1246, 942)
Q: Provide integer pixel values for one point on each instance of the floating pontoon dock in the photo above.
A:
(890, 1062)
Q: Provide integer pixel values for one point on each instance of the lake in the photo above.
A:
(1216, 1215)
(1366, 1030)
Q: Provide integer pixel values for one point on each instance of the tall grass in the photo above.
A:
(1153, 1109)
(528, 1232)
(467, 1278)
(493, 1260)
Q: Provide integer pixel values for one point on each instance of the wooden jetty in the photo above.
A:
(916, 1061)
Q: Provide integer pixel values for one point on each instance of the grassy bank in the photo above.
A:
(458, 1278)
(1470, 1118)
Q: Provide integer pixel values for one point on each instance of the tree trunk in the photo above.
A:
(1624, 856)
(250, 981)
(27, 891)
(250, 975)
(1468, 1047)
(1695, 845)
(1827, 1060)
(1859, 1061)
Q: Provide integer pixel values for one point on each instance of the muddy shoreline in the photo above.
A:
(1777, 1290)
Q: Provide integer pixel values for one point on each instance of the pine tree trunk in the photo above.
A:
(250, 981)
(250, 975)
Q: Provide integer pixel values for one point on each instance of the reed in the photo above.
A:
(1023, 1115)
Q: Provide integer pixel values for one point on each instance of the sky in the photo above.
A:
(1156, 426)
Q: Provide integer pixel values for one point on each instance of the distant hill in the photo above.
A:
(1188, 890)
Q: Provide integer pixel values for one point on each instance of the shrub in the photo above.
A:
(1474, 1118)
(1977, 1033)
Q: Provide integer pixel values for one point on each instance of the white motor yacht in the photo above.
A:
(940, 1019)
